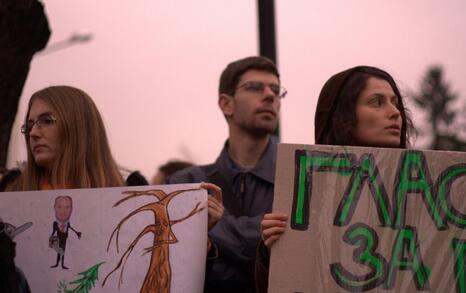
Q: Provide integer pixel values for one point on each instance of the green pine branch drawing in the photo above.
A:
(84, 284)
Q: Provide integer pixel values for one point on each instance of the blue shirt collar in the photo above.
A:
(264, 169)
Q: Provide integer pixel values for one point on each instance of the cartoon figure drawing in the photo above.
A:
(63, 208)
(158, 276)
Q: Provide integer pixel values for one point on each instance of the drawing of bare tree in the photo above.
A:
(158, 276)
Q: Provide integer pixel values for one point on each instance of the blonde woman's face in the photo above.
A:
(44, 140)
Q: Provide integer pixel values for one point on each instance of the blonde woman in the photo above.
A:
(68, 148)
(66, 142)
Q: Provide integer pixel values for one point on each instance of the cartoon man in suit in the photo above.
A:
(63, 209)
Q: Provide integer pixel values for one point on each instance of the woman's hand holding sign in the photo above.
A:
(272, 227)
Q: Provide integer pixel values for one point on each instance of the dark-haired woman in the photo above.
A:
(361, 106)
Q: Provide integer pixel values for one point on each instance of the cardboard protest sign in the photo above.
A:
(128, 239)
(369, 219)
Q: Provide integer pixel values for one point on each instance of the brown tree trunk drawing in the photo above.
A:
(158, 276)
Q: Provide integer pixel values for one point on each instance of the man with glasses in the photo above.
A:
(249, 97)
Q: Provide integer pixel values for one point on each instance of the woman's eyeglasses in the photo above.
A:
(42, 121)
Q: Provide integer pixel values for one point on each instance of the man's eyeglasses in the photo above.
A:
(258, 87)
(42, 121)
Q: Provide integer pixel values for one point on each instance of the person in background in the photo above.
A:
(249, 97)
(3, 171)
(132, 178)
(8, 177)
(168, 169)
(361, 106)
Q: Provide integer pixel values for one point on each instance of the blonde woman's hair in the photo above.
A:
(84, 159)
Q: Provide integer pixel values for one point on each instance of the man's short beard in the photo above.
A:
(259, 132)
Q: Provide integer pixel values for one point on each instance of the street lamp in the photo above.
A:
(73, 39)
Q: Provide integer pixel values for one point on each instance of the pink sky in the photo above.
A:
(153, 66)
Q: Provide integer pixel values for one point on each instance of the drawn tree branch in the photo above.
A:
(158, 276)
